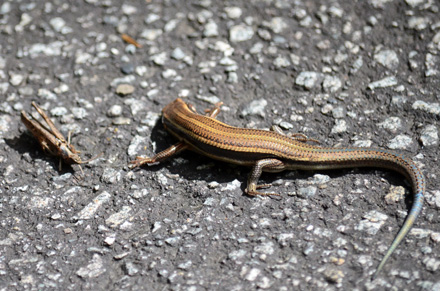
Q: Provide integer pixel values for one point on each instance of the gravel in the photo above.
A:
(359, 73)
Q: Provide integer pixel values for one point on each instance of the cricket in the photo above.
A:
(51, 139)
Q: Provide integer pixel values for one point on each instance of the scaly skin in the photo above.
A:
(272, 151)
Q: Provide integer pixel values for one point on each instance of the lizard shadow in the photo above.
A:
(25, 143)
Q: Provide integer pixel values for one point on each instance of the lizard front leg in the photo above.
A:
(165, 154)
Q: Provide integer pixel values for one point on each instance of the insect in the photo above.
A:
(51, 139)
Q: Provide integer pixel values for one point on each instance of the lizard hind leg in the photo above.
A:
(272, 165)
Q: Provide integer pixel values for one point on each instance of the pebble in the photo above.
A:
(110, 240)
(398, 100)
(151, 33)
(136, 145)
(331, 84)
(321, 179)
(429, 136)
(121, 121)
(414, 3)
(159, 59)
(83, 58)
(237, 255)
(4, 88)
(400, 142)
(233, 12)
(124, 80)
(420, 233)
(59, 25)
(185, 265)
(111, 176)
(210, 202)
(172, 241)
(206, 66)
(308, 80)
(286, 125)
(241, 32)
(256, 107)
(231, 186)
(127, 68)
(18, 106)
(378, 3)
(114, 111)
(393, 124)
(435, 236)
(169, 73)
(88, 212)
(431, 264)
(433, 108)
(5, 8)
(383, 83)
(94, 269)
(387, 58)
(151, 18)
(333, 275)
(130, 49)
(128, 9)
(253, 274)
(338, 112)
(130, 269)
(284, 238)
(209, 99)
(418, 23)
(306, 22)
(50, 49)
(265, 283)
(79, 112)
(138, 194)
(177, 54)
(307, 192)
(276, 24)
(281, 62)
(357, 64)
(256, 48)
(141, 70)
(58, 111)
(124, 89)
(211, 29)
(339, 127)
(152, 94)
(24, 21)
(118, 218)
(372, 222)
(226, 61)
(40, 202)
(395, 194)
(62, 88)
(15, 79)
(204, 15)
(213, 185)
(171, 25)
(224, 47)
(309, 249)
(150, 119)
(232, 77)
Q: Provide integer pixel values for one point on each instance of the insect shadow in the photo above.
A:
(25, 143)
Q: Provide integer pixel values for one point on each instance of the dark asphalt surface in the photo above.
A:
(347, 73)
